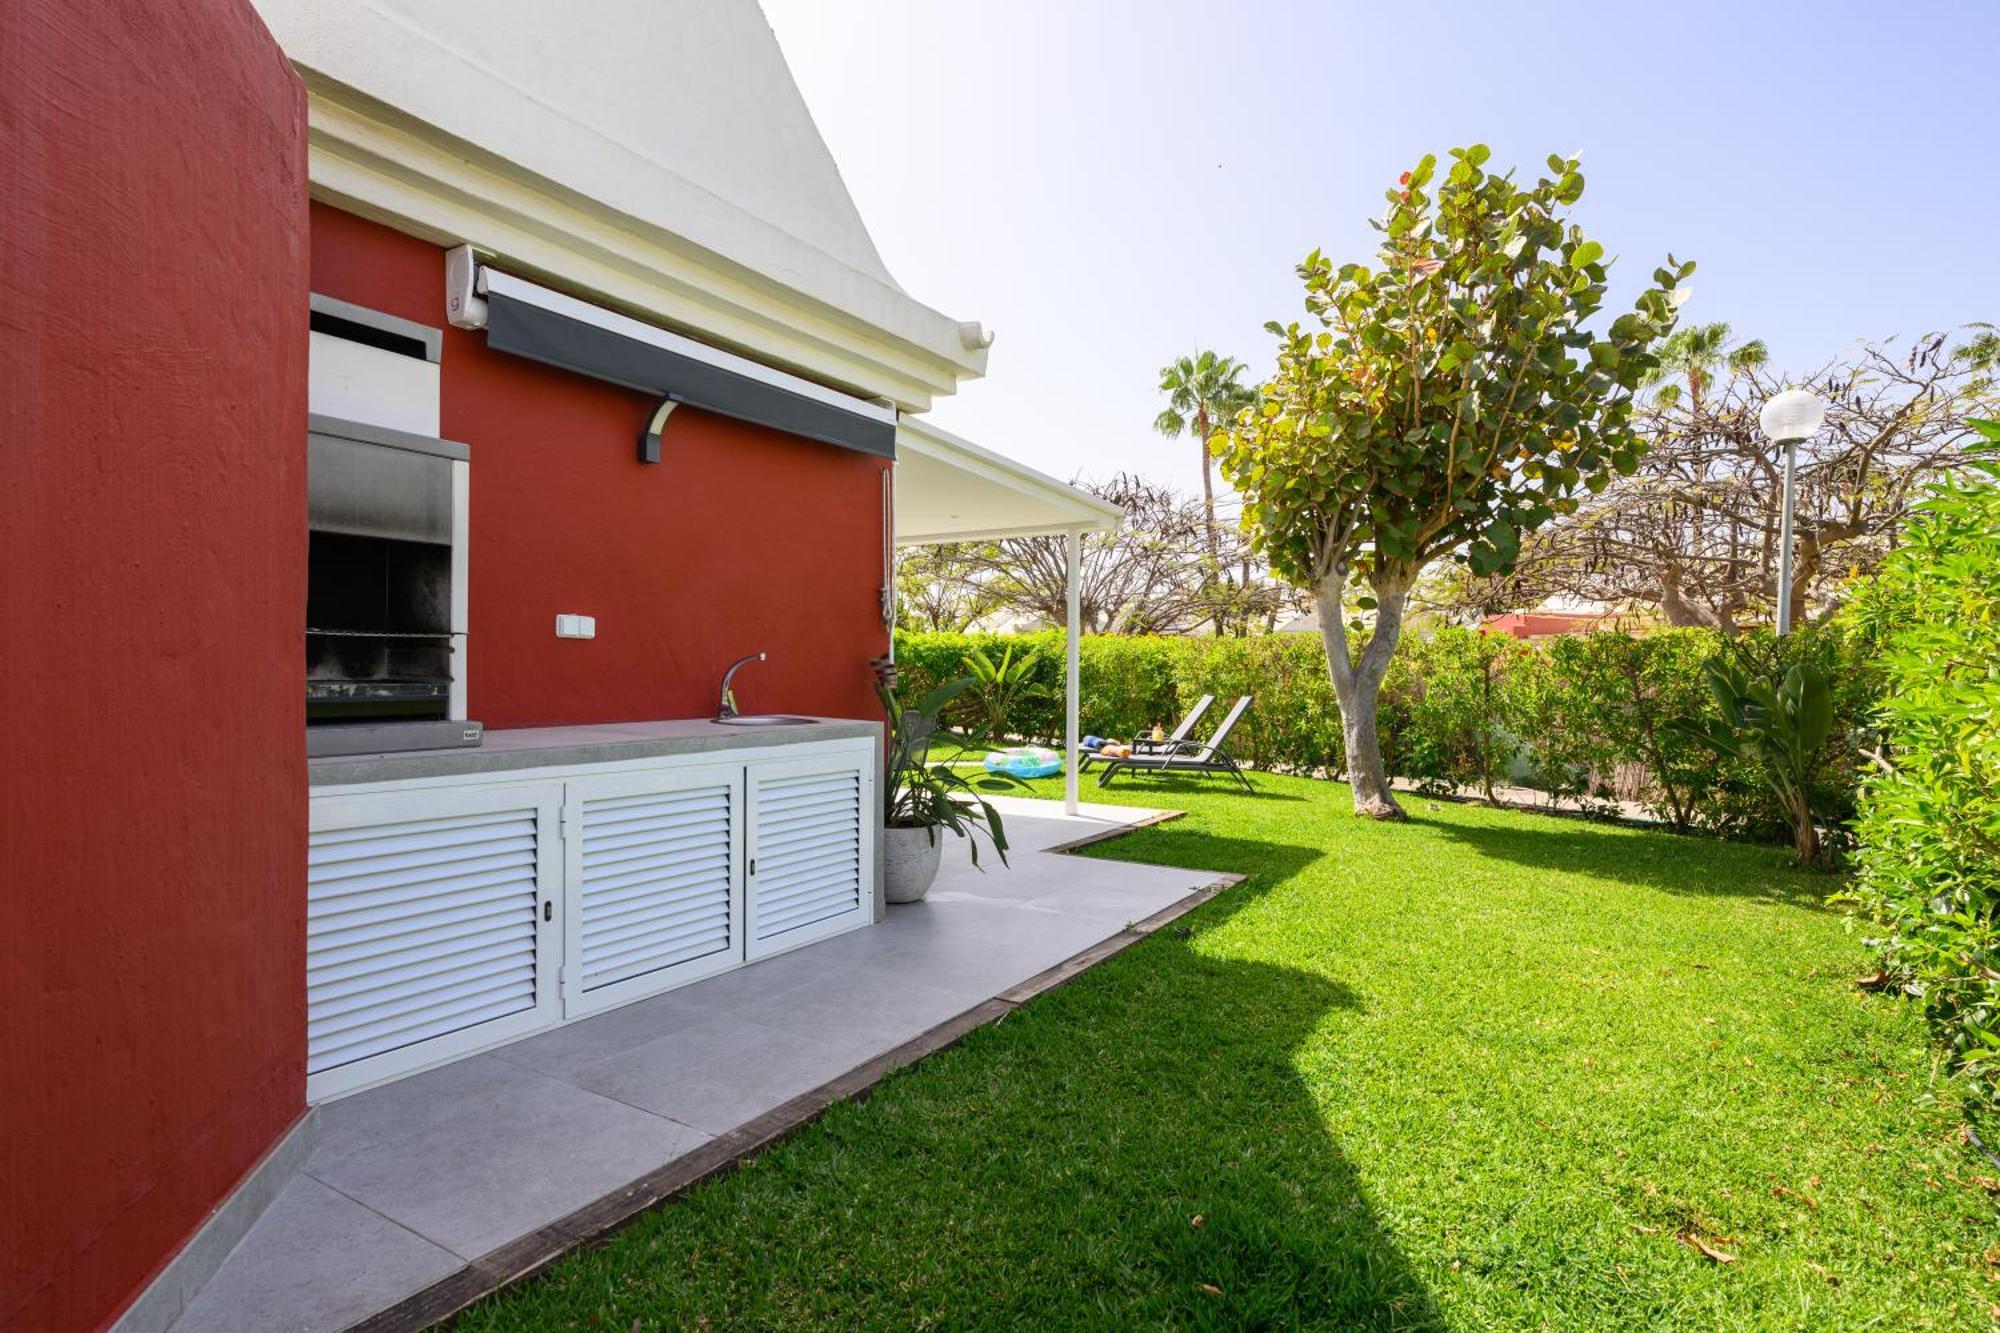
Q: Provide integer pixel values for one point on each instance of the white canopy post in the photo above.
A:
(949, 489)
(1073, 669)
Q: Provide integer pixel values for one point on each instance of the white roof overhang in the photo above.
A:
(948, 489)
(651, 155)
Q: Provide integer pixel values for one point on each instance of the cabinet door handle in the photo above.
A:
(549, 910)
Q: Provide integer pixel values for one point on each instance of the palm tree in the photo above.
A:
(1204, 391)
(1692, 355)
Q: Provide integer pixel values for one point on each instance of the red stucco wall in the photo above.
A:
(741, 539)
(152, 562)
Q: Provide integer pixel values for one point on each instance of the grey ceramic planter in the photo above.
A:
(910, 862)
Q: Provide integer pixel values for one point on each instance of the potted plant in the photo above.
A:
(921, 797)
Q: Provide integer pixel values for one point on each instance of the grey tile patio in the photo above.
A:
(1101, 891)
(722, 1071)
(773, 975)
(411, 1179)
(574, 1046)
(474, 1153)
(856, 1007)
(315, 1260)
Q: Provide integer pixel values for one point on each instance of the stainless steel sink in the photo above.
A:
(763, 720)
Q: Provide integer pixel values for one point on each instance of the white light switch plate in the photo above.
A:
(570, 626)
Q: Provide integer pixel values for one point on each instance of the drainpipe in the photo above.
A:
(889, 556)
(1073, 670)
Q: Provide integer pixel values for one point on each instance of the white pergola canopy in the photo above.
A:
(948, 489)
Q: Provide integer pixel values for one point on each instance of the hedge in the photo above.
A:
(1459, 708)
(1929, 825)
(1128, 680)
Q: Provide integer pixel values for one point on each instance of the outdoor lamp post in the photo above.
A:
(1787, 418)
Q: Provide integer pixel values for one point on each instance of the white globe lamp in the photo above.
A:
(1791, 416)
(1788, 417)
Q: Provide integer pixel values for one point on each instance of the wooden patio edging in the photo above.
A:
(596, 1222)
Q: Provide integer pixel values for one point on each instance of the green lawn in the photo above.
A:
(1482, 1070)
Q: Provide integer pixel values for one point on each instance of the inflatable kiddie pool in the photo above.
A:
(1025, 761)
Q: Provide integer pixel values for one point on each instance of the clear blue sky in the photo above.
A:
(1111, 185)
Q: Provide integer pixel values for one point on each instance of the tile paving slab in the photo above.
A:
(471, 1154)
(413, 1179)
(315, 1260)
(721, 1072)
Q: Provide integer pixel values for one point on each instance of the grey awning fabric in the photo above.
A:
(528, 329)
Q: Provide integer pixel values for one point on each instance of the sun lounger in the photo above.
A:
(1207, 758)
(1174, 742)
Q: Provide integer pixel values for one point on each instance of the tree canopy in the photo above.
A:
(1452, 398)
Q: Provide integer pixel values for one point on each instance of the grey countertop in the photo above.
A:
(553, 747)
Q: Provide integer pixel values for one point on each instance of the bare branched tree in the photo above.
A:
(939, 587)
(1693, 533)
(1144, 577)
(1153, 575)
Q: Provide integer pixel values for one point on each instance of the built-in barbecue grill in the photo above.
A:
(385, 590)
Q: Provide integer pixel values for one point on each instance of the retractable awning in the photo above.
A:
(529, 320)
(948, 489)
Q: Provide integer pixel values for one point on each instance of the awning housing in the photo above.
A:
(528, 320)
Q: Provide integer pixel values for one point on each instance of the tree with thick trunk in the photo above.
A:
(1357, 686)
(1448, 402)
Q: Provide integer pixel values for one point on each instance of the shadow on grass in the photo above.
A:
(1185, 843)
(1160, 1130)
(1136, 1149)
(1677, 863)
(1222, 1198)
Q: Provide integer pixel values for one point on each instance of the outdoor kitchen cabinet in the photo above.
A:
(430, 918)
(445, 915)
(655, 869)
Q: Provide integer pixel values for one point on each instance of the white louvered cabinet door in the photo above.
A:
(653, 862)
(431, 928)
(811, 869)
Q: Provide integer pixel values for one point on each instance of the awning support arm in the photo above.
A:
(649, 439)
